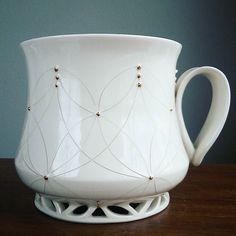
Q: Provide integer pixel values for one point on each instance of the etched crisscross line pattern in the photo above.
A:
(57, 93)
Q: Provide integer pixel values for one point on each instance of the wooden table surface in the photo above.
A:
(203, 204)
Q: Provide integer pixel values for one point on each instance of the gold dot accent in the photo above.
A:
(98, 114)
(28, 108)
(139, 85)
(150, 177)
(56, 68)
(138, 67)
(45, 177)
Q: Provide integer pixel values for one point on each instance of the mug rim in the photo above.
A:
(115, 36)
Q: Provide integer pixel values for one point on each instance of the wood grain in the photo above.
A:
(203, 204)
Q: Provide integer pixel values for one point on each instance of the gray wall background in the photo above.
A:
(205, 28)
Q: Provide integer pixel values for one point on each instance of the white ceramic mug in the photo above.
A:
(104, 126)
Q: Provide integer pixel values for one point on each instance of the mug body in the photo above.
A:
(101, 121)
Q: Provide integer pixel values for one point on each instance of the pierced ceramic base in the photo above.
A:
(89, 211)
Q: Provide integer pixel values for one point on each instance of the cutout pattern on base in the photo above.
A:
(90, 211)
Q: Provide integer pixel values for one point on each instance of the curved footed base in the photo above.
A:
(89, 211)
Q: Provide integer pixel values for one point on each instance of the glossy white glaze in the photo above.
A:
(101, 119)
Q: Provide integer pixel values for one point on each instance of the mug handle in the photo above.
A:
(216, 116)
